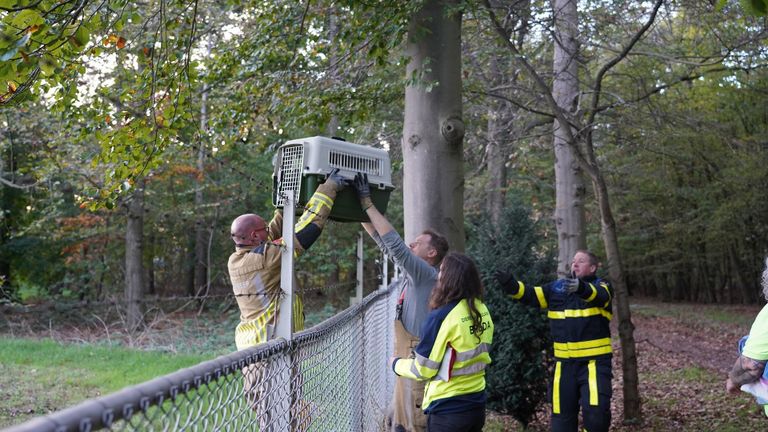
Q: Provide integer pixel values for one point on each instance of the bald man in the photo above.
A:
(254, 269)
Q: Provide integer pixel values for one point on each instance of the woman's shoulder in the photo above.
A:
(443, 311)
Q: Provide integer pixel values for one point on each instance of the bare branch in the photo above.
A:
(540, 83)
(677, 81)
(513, 102)
(619, 57)
(17, 186)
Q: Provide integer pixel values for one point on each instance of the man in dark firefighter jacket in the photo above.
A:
(579, 312)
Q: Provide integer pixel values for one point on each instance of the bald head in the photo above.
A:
(248, 230)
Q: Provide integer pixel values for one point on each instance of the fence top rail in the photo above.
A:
(96, 413)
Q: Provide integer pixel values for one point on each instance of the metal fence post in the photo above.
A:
(384, 271)
(358, 298)
(284, 325)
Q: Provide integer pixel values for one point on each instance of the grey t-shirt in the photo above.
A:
(418, 279)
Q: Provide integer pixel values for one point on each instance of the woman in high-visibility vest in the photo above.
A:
(453, 352)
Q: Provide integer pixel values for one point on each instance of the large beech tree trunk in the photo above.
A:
(569, 183)
(433, 131)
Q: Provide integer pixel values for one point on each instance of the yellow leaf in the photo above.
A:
(12, 86)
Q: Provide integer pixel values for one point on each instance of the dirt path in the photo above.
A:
(684, 355)
(705, 347)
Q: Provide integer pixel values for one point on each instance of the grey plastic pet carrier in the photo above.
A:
(302, 164)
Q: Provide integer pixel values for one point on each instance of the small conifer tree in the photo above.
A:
(521, 350)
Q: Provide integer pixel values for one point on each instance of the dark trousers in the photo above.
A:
(465, 421)
(585, 384)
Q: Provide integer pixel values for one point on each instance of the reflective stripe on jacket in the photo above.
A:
(255, 272)
(450, 356)
(579, 322)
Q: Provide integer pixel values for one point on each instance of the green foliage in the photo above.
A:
(301, 66)
(29, 293)
(700, 192)
(43, 40)
(124, 77)
(516, 381)
(316, 317)
(37, 268)
(751, 7)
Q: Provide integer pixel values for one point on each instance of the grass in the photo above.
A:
(41, 376)
(38, 377)
(690, 373)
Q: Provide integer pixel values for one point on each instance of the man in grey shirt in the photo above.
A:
(419, 262)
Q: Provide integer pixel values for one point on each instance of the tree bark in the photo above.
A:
(569, 183)
(433, 130)
(201, 235)
(151, 270)
(497, 165)
(187, 264)
(738, 279)
(333, 72)
(630, 388)
(5, 263)
(134, 263)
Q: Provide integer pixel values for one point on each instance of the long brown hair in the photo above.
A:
(459, 279)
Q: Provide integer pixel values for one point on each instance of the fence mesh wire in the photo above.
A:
(332, 377)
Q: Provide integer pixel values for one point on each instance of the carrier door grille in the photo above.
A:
(291, 168)
(354, 162)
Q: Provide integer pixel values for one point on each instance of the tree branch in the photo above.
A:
(514, 102)
(619, 57)
(679, 80)
(17, 186)
(543, 86)
(21, 8)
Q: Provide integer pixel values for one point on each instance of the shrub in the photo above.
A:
(521, 354)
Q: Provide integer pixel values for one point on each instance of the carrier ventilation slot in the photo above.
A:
(354, 163)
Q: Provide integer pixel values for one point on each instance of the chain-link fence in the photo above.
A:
(332, 377)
